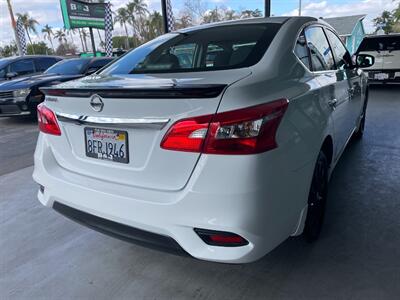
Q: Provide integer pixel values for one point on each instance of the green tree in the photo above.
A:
(385, 21)
(39, 48)
(60, 36)
(48, 34)
(122, 17)
(9, 50)
(66, 49)
(29, 24)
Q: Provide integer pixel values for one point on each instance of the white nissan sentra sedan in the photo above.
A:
(215, 141)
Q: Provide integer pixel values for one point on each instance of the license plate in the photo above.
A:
(107, 144)
(381, 76)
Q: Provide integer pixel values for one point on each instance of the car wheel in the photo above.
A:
(317, 199)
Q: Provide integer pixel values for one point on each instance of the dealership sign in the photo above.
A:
(78, 14)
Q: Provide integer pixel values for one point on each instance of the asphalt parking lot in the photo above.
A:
(45, 256)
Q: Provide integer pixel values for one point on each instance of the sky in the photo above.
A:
(48, 11)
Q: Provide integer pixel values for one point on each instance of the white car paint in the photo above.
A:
(261, 197)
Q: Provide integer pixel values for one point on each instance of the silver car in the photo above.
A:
(216, 141)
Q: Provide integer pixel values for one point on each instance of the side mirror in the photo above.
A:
(11, 75)
(90, 71)
(364, 60)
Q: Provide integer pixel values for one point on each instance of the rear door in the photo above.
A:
(334, 84)
(351, 78)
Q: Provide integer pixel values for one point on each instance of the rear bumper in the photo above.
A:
(11, 110)
(215, 198)
(393, 75)
(121, 231)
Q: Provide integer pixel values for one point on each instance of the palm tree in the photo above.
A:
(60, 35)
(80, 37)
(84, 36)
(48, 33)
(137, 9)
(71, 33)
(155, 25)
(122, 17)
(29, 25)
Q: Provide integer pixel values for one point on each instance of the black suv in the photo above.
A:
(22, 95)
(13, 67)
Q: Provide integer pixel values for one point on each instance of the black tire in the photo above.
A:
(317, 199)
(358, 134)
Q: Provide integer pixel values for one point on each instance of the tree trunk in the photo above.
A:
(127, 38)
(30, 41)
(98, 32)
(51, 42)
(80, 36)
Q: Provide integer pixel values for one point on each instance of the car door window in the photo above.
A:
(23, 67)
(321, 53)
(43, 63)
(2, 73)
(342, 56)
(301, 51)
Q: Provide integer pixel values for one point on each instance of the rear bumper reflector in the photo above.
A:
(221, 238)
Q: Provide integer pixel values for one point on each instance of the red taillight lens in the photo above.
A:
(187, 135)
(221, 238)
(47, 120)
(244, 131)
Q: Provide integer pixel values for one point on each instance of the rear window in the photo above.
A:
(217, 48)
(389, 43)
(69, 67)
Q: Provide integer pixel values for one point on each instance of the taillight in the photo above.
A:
(244, 131)
(47, 120)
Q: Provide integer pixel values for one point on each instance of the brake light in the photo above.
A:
(47, 120)
(244, 131)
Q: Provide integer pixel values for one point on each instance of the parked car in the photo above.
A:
(17, 66)
(21, 96)
(223, 158)
(386, 50)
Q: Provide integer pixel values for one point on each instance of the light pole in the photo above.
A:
(14, 26)
(267, 6)
(299, 7)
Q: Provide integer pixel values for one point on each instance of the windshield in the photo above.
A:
(215, 48)
(388, 43)
(68, 67)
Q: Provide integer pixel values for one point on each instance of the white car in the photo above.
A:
(386, 51)
(215, 141)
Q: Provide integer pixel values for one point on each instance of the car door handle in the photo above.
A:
(332, 103)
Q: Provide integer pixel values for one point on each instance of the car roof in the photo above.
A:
(260, 20)
(14, 58)
(382, 36)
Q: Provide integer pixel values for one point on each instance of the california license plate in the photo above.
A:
(107, 144)
(381, 76)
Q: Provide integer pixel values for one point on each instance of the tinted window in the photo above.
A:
(99, 63)
(23, 67)
(3, 72)
(69, 67)
(342, 56)
(321, 54)
(43, 63)
(301, 51)
(216, 48)
(380, 44)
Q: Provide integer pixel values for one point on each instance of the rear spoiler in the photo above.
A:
(173, 92)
